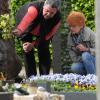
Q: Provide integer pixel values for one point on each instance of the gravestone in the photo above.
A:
(61, 60)
(6, 96)
(10, 64)
(9, 61)
(56, 45)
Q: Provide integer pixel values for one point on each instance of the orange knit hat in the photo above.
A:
(76, 18)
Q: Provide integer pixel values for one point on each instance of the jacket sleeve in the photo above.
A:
(53, 31)
(89, 37)
(28, 18)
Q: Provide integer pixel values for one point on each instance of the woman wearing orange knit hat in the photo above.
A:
(81, 44)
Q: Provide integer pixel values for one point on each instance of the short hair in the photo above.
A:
(53, 3)
(76, 18)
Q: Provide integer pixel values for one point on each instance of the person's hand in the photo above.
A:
(17, 32)
(81, 47)
(27, 46)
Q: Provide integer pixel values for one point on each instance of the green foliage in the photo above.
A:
(5, 28)
(65, 8)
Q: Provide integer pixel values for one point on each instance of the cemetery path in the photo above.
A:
(22, 72)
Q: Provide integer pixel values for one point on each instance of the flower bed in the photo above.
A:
(69, 82)
(72, 86)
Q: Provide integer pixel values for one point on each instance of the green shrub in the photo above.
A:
(5, 27)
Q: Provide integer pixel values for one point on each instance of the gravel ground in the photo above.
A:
(22, 72)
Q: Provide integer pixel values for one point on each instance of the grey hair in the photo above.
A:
(53, 3)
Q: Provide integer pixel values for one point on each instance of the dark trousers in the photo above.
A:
(44, 59)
